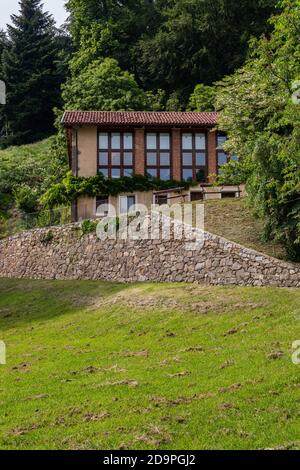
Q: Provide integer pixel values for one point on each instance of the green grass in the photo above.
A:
(94, 365)
(233, 219)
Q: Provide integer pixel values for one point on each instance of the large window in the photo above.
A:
(194, 157)
(223, 157)
(116, 158)
(158, 155)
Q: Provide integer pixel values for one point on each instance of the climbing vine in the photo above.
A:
(73, 187)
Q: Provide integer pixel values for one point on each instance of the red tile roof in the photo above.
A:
(138, 118)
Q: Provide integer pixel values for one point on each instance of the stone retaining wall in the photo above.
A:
(69, 255)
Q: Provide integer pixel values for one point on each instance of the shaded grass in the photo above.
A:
(233, 219)
(107, 366)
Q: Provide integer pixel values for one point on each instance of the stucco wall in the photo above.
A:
(69, 255)
(87, 151)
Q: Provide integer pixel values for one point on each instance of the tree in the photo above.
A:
(31, 75)
(104, 86)
(199, 41)
(110, 28)
(3, 42)
(202, 99)
(263, 125)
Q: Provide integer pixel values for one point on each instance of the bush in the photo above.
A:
(88, 226)
(26, 199)
(47, 237)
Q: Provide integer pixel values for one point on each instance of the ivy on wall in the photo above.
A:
(73, 187)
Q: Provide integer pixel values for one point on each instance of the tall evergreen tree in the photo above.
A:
(30, 74)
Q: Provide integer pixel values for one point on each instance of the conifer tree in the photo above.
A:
(30, 74)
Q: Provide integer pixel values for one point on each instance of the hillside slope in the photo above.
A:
(36, 166)
(233, 219)
(108, 366)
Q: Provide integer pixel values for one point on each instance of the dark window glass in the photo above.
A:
(158, 157)
(102, 205)
(187, 174)
(194, 156)
(116, 157)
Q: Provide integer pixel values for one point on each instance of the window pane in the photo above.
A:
(187, 175)
(151, 141)
(103, 158)
(222, 158)
(201, 176)
(221, 140)
(128, 141)
(151, 159)
(152, 172)
(116, 173)
(130, 203)
(164, 141)
(187, 141)
(116, 140)
(128, 159)
(128, 171)
(165, 174)
(104, 172)
(161, 200)
(103, 140)
(116, 159)
(102, 205)
(235, 158)
(200, 142)
(187, 159)
(165, 159)
(123, 204)
(200, 159)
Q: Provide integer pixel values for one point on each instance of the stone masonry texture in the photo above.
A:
(67, 254)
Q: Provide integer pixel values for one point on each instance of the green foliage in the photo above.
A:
(235, 172)
(88, 226)
(26, 198)
(104, 86)
(30, 61)
(47, 237)
(198, 41)
(263, 124)
(202, 99)
(173, 103)
(73, 187)
(27, 172)
(169, 45)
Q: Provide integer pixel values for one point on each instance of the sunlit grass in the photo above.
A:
(95, 365)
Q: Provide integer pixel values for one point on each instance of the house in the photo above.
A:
(179, 146)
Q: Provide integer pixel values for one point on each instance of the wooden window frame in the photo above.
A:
(194, 167)
(158, 167)
(111, 150)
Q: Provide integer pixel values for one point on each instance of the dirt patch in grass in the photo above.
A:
(193, 300)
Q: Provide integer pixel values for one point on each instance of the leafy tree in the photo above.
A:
(104, 86)
(31, 76)
(174, 102)
(109, 28)
(202, 99)
(199, 41)
(263, 124)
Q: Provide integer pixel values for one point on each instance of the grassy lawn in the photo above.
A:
(95, 365)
